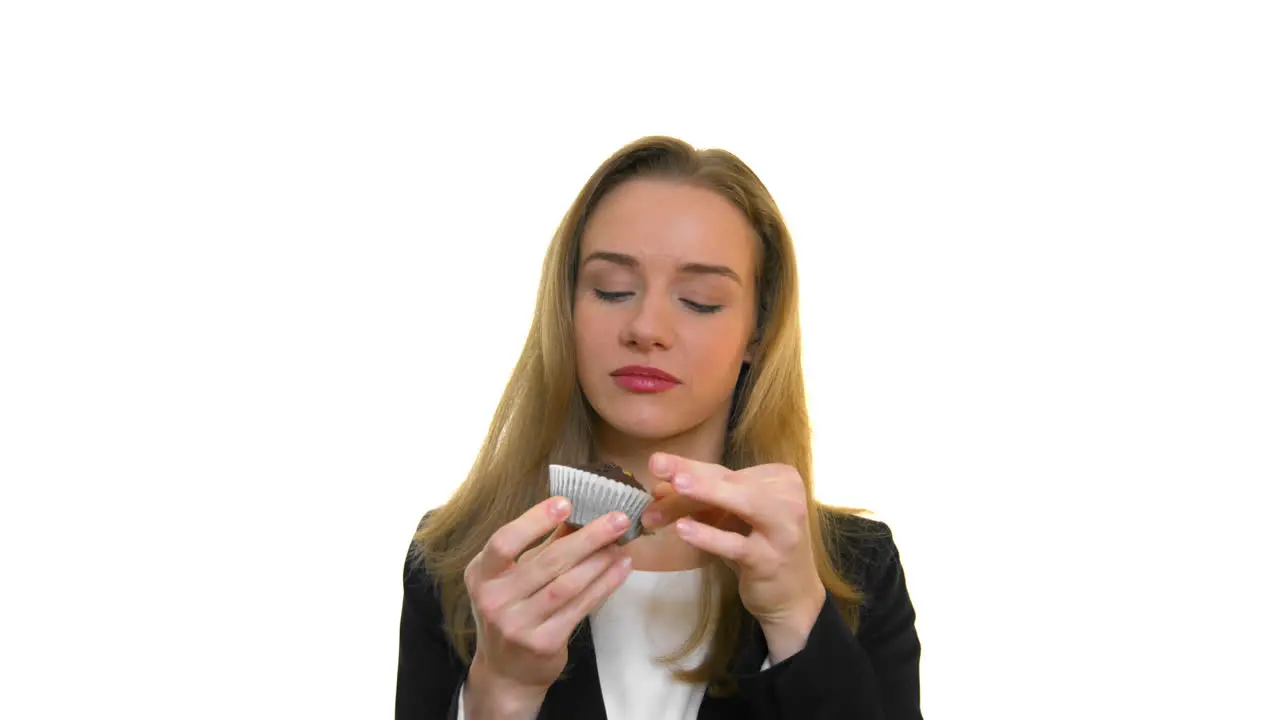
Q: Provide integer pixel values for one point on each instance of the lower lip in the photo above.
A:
(643, 384)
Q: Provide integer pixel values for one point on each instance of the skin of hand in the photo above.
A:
(527, 602)
(757, 520)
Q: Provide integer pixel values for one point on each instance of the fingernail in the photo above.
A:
(619, 521)
(682, 482)
(683, 526)
(660, 463)
(560, 507)
(651, 518)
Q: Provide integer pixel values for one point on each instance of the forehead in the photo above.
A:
(655, 220)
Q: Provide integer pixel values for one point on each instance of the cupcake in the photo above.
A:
(600, 489)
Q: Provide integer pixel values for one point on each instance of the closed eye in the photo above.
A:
(700, 308)
(621, 295)
(613, 296)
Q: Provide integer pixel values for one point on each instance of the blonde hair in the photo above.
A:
(543, 416)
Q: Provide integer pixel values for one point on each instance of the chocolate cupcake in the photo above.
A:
(614, 473)
(599, 489)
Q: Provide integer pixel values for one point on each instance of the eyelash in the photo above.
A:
(620, 296)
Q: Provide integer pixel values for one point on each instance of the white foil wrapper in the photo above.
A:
(593, 496)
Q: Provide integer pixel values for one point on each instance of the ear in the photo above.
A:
(753, 346)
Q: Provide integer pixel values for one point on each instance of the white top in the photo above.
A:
(650, 615)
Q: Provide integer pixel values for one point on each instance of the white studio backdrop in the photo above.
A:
(265, 267)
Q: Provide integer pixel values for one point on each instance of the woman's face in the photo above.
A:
(664, 307)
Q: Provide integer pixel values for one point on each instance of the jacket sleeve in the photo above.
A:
(873, 675)
(430, 675)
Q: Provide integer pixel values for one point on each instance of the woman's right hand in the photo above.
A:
(526, 604)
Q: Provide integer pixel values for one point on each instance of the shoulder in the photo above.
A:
(863, 548)
(885, 615)
(419, 582)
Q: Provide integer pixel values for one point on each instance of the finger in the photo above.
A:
(669, 506)
(666, 466)
(731, 546)
(562, 555)
(669, 509)
(557, 627)
(652, 516)
(535, 609)
(746, 500)
(561, 530)
(505, 545)
(662, 490)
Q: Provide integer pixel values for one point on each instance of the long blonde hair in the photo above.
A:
(543, 416)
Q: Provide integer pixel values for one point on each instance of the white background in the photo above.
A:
(265, 267)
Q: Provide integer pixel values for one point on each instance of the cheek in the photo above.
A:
(588, 334)
(717, 356)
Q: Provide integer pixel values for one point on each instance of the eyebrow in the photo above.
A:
(628, 261)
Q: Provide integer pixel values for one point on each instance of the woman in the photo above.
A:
(666, 340)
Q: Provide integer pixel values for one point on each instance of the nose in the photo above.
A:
(650, 326)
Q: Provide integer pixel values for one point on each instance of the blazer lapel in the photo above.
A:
(576, 695)
(750, 655)
(752, 649)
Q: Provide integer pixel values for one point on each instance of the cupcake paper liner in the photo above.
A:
(593, 496)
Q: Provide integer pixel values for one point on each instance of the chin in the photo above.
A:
(645, 423)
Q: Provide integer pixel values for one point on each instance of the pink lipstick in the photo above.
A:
(643, 379)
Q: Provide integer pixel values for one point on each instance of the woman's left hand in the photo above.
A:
(757, 519)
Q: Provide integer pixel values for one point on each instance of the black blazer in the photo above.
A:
(873, 674)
